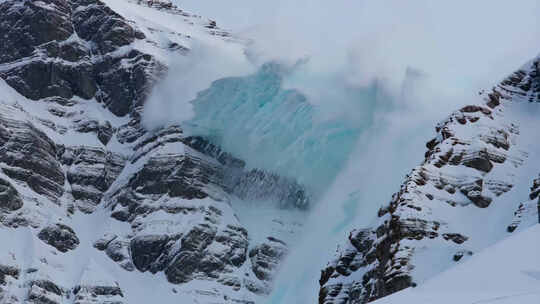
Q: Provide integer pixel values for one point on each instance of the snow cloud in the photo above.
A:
(462, 44)
(187, 75)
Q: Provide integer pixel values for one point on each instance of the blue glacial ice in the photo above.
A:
(274, 128)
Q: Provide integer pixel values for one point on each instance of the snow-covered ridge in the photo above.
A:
(168, 7)
(478, 168)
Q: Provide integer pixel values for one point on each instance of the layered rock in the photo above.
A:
(90, 173)
(63, 49)
(30, 156)
(469, 166)
(9, 197)
(100, 197)
(266, 258)
(176, 204)
(85, 294)
(261, 185)
(76, 161)
(60, 236)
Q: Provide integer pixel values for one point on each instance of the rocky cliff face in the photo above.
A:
(94, 208)
(468, 177)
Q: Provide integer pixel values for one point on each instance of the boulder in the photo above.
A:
(60, 236)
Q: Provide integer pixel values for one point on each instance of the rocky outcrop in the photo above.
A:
(29, 155)
(44, 292)
(37, 286)
(8, 271)
(117, 249)
(470, 162)
(146, 250)
(74, 151)
(253, 184)
(9, 197)
(176, 181)
(174, 185)
(59, 236)
(103, 130)
(528, 212)
(69, 48)
(266, 258)
(259, 185)
(98, 294)
(26, 25)
(535, 189)
(208, 252)
(9, 275)
(90, 173)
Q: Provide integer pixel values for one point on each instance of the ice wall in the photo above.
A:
(272, 128)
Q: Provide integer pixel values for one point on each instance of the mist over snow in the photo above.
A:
(386, 71)
(457, 38)
(188, 74)
(350, 44)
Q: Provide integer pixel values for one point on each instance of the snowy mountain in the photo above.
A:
(472, 190)
(96, 207)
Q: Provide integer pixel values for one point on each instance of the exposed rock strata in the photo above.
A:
(459, 172)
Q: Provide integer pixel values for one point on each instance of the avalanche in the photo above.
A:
(101, 202)
(270, 127)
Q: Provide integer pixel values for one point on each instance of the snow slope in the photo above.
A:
(505, 273)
